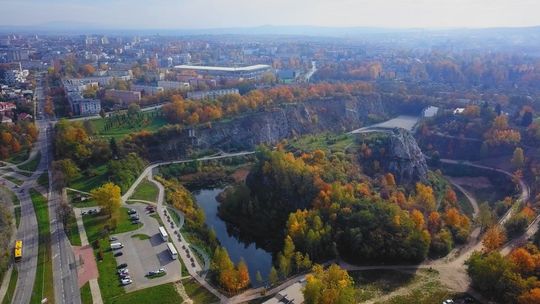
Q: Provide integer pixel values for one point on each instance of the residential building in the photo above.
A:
(15, 76)
(124, 97)
(248, 72)
(86, 106)
(213, 94)
(147, 90)
(173, 85)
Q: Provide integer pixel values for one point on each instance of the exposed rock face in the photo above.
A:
(270, 127)
(405, 159)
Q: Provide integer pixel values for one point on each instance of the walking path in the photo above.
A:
(94, 286)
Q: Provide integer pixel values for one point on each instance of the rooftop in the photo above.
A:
(223, 69)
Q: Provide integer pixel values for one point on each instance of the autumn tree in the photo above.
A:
(49, 107)
(493, 239)
(530, 297)
(330, 286)
(518, 159)
(424, 199)
(108, 197)
(273, 276)
(64, 172)
(522, 261)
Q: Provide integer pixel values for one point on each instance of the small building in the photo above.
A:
(7, 107)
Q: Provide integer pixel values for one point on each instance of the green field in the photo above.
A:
(19, 157)
(141, 236)
(86, 183)
(14, 180)
(95, 225)
(464, 203)
(119, 132)
(371, 284)
(146, 191)
(86, 294)
(324, 141)
(163, 294)
(31, 165)
(73, 233)
(199, 294)
(11, 287)
(43, 180)
(43, 284)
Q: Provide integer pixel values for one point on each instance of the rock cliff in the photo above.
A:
(405, 159)
(271, 126)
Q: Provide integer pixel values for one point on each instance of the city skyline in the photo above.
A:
(209, 14)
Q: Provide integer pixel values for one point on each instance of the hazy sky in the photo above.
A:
(246, 13)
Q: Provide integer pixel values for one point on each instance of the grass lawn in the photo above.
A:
(19, 157)
(86, 294)
(95, 224)
(73, 233)
(464, 203)
(119, 132)
(11, 287)
(43, 284)
(141, 236)
(146, 191)
(14, 180)
(429, 293)
(31, 165)
(198, 293)
(174, 216)
(371, 284)
(163, 294)
(324, 141)
(43, 180)
(87, 183)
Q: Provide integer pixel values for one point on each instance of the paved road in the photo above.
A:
(66, 286)
(64, 270)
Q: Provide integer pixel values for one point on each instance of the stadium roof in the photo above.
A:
(223, 69)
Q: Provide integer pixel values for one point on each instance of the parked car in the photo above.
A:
(135, 221)
(123, 271)
(126, 281)
(123, 265)
(132, 211)
(112, 239)
(119, 253)
(134, 216)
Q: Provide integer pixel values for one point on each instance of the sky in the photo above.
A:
(197, 14)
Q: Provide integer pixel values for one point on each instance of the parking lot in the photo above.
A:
(144, 254)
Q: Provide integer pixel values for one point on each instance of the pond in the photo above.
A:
(257, 259)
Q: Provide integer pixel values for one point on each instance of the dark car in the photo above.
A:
(123, 265)
(118, 253)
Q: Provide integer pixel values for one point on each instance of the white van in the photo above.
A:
(115, 246)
